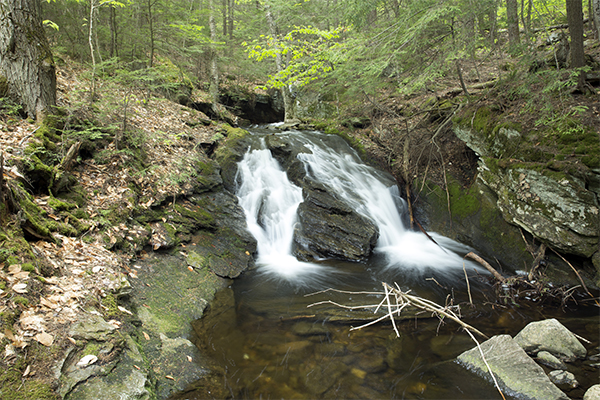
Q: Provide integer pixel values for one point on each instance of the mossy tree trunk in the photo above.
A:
(25, 57)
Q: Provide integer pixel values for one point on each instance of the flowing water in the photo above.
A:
(270, 340)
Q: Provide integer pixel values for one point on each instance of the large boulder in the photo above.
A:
(551, 336)
(558, 205)
(328, 227)
(517, 374)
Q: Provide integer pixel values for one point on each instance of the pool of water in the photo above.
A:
(265, 342)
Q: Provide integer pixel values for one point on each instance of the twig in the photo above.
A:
(577, 273)
(387, 297)
(487, 266)
(468, 285)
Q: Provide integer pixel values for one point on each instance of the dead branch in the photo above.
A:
(578, 276)
(400, 301)
(485, 264)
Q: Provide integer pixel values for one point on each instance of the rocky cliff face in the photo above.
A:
(557, 205)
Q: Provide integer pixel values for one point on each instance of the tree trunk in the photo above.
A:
(575, 20)
(231, 17)
(25, 58)
(113, 32)
(512, 19)
(151, 32)
(288, 103)
(214, 68)
(596, 16)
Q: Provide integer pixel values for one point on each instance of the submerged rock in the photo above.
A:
(551, 336)
(563, 378)
(515, 371)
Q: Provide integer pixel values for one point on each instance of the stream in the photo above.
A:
(268, 337)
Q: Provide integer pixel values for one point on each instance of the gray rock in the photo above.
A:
(546, 358)
(557, 209)
(327, 227)
(94, 327)
(517, 374)
(550, 335)
(123, 381)
(563, 378)
(593, 393)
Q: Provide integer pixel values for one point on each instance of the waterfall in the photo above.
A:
(270, 201)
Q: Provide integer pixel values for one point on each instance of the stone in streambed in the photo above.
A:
(516, 373)
(550, 335)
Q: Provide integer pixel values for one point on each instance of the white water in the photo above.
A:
(270, 201)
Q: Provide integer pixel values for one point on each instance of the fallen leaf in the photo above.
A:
(247, 253)
(191, 268)
(136, 367)
(72, 340)
(20, 288)
(87, 360)
(44, 338)
(48, 303)
(146, 336)
(27, 371)
(14, 269)
(189, 358)
(170, 377)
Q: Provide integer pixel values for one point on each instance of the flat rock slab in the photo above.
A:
(517, 374)
(551, 336)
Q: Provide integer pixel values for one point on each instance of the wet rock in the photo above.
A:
(550, 335)
(546, 358)
(593, 393)
(309, 329)
(327, 227)
(515, 371)
(563, 378)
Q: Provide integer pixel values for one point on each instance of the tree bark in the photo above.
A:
(596, 17)
(288, 103)
(512, 19)
(575, 20)
(25, 58)
(214, 68)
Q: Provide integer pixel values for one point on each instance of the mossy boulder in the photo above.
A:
(473, 219)
(554, 199)
(230, 152)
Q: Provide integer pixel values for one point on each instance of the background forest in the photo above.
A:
(356, 46)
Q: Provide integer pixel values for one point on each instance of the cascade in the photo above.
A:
(270, 201)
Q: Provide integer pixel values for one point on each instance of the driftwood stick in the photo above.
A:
(485, 264)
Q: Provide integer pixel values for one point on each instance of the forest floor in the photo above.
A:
(45, 289)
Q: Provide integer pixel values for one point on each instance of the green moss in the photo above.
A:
(21, 300)
(60, 205)
(110, 306)
(29, 267)
(14, 387)
(463, 202)
(201, 217)
(91, 348)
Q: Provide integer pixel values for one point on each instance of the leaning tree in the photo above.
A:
(27, 72)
